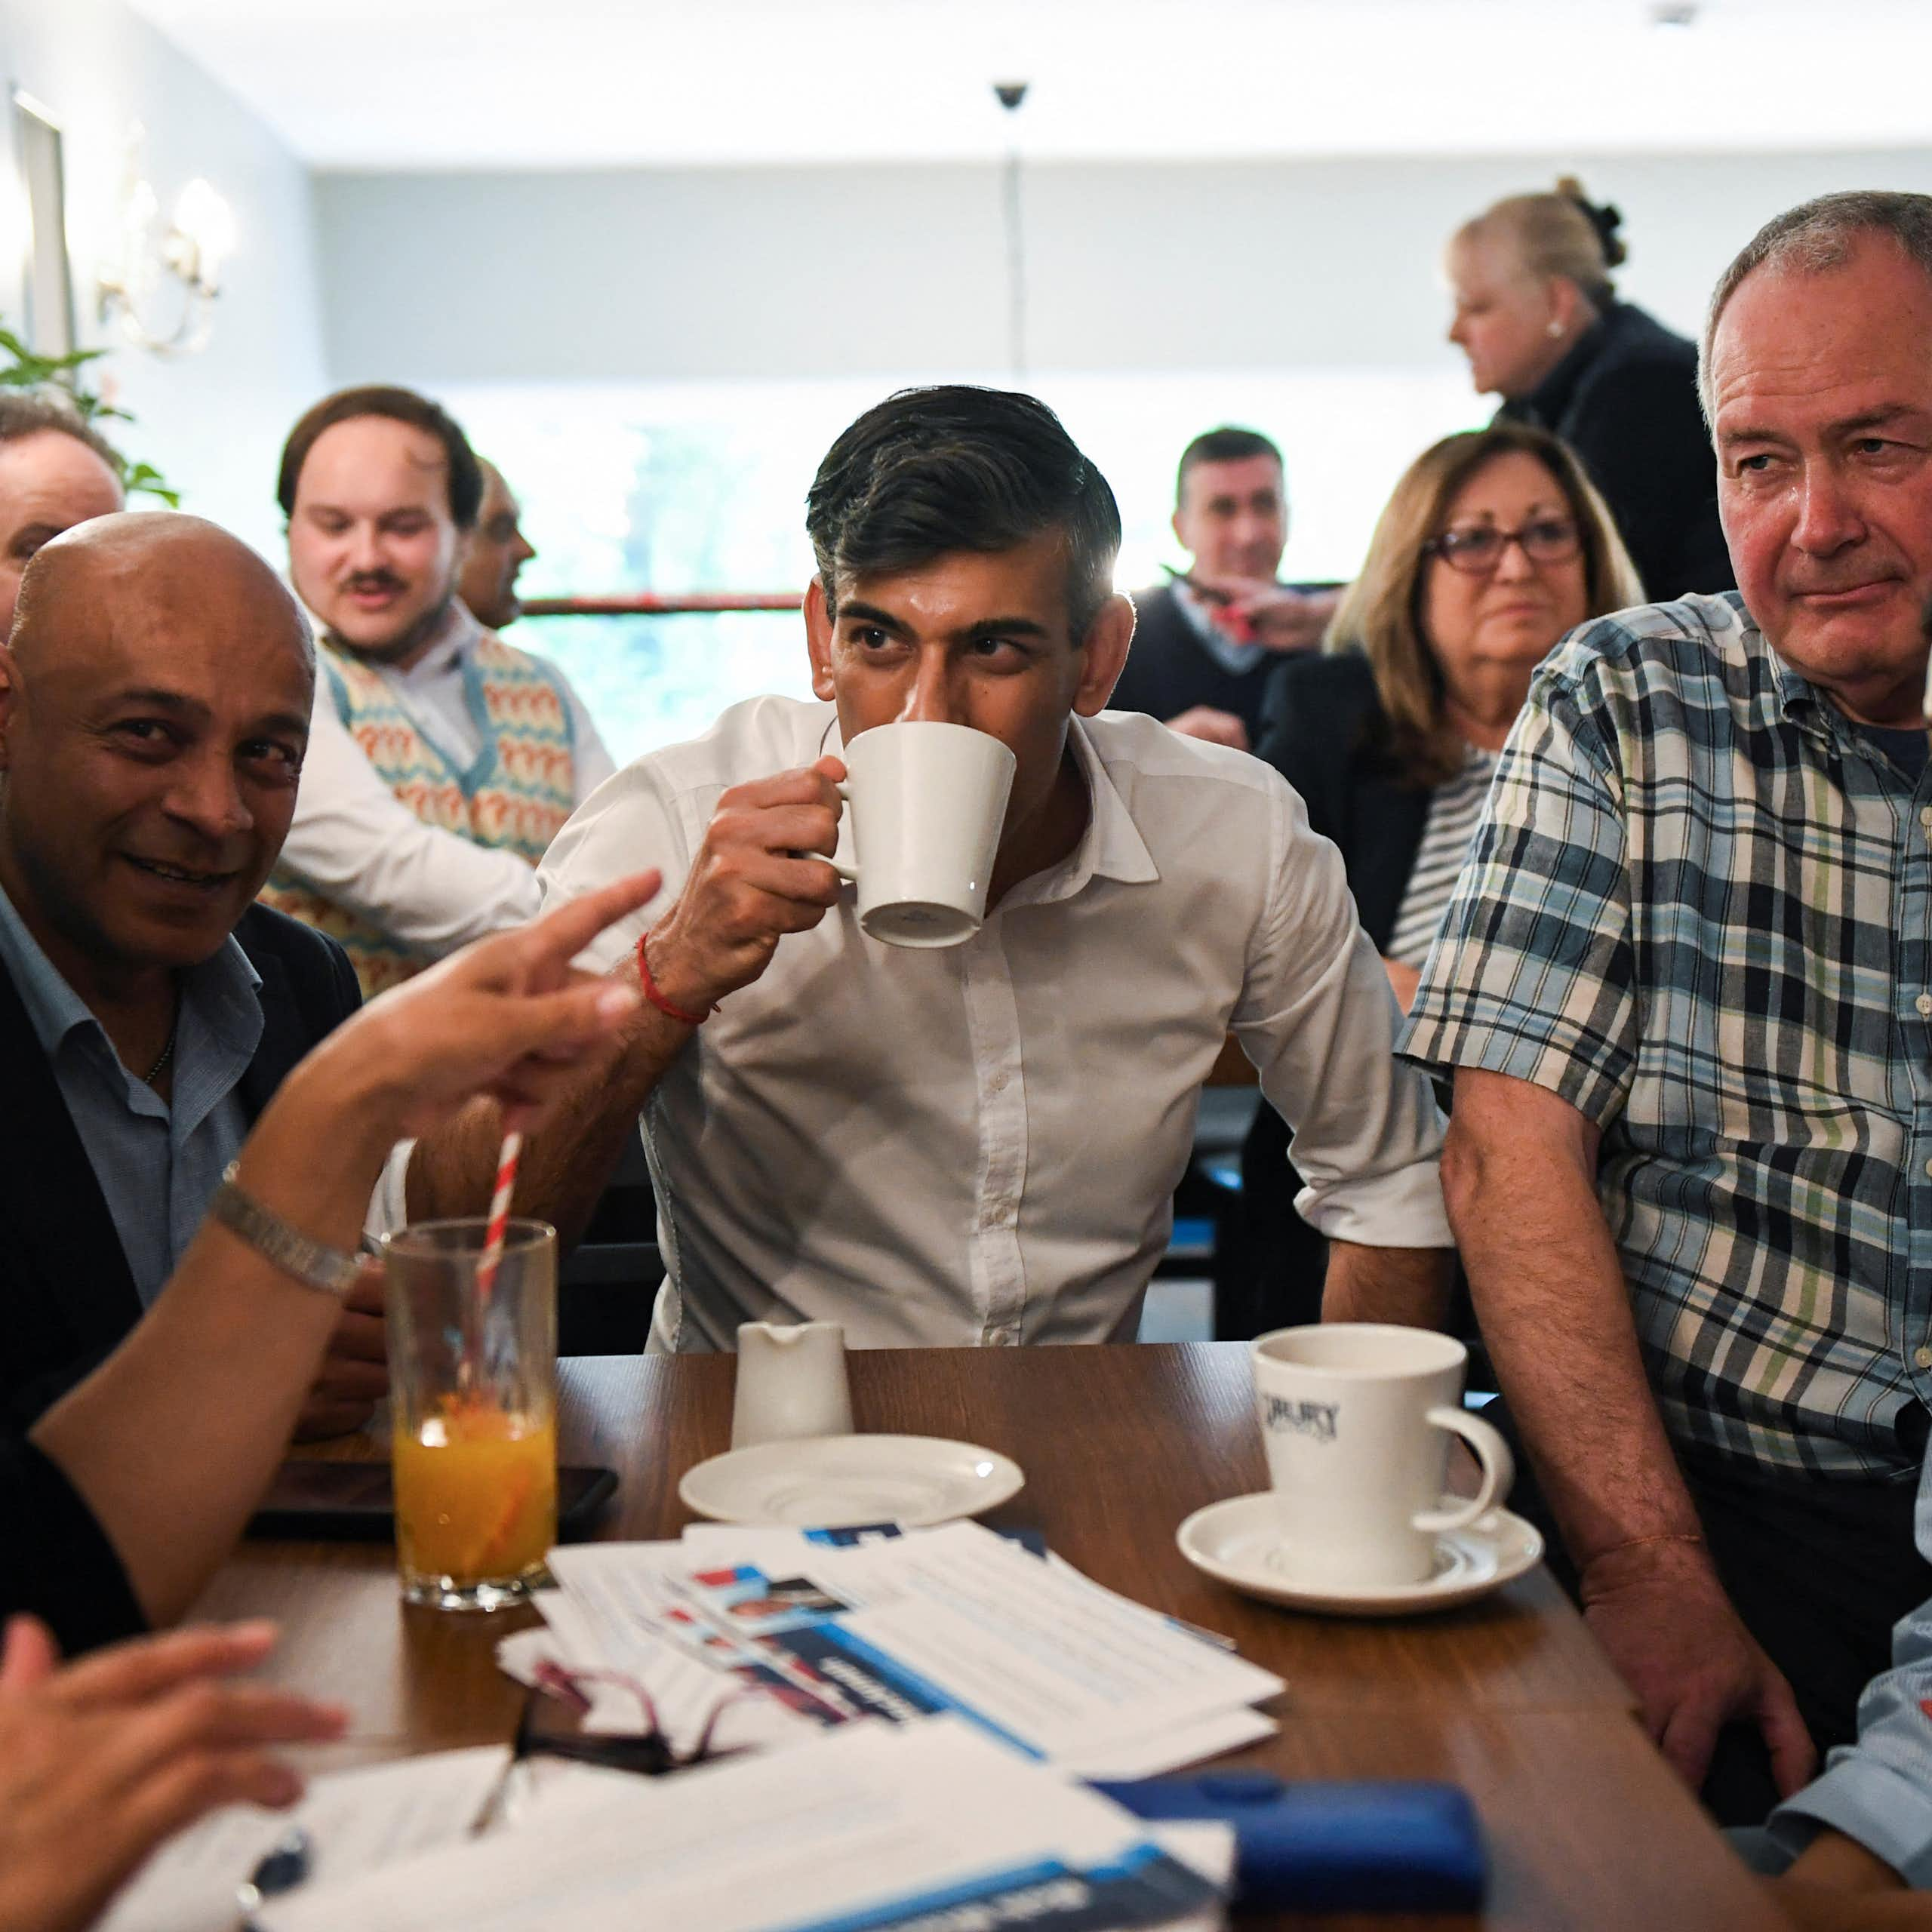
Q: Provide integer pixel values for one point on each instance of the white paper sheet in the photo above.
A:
(1037, 1652)
(356, 1821)
(863, 1819)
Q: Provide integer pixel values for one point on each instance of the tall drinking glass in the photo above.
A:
(473, 1400)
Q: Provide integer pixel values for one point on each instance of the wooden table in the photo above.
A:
(1510, 1698)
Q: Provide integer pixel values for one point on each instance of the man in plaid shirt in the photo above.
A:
(1685, 993)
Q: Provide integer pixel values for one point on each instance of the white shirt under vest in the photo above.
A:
(356, 843)
(980, 1144)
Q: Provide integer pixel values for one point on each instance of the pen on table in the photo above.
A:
(280, 1869)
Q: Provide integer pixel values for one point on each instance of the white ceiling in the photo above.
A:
(518, 84)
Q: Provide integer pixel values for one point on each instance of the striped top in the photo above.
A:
(1454, 809)
(1698, 908)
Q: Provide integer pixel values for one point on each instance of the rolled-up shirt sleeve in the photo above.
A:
(1532, 972)
(1319, 1019)
(633, 824)
(1879, 1790)
(355, 842)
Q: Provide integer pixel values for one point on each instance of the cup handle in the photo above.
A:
(1498, 1469)
(849, 874)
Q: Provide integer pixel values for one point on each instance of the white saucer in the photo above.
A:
(823, 1482)
(1238, 1543)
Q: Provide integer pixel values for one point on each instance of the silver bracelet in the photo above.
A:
(329, 1271)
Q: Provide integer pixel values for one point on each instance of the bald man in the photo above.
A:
(155, 701)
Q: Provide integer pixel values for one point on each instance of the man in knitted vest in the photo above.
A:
(441, 760)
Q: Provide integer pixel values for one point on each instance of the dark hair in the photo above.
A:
(1225, 444)
(399, 405)
(931, 471)
(33, 412)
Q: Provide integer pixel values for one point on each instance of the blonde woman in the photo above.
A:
(1539, 318)
(1492, 546)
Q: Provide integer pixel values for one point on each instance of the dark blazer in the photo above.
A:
(1169, 669)
(1323, 731)
(1625, 399)
(66, 1294)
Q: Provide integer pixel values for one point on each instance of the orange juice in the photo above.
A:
(475, 1493)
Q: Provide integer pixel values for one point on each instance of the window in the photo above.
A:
(702, 487)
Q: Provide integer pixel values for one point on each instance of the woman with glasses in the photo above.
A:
(1539, 318)
(1492, 546)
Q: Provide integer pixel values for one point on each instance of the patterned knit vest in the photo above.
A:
(516, 795)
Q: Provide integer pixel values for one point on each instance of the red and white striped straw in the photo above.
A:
(500, 1214)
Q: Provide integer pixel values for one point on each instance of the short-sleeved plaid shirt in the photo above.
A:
(1698, 908)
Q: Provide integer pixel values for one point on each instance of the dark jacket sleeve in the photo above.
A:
(59, 1565)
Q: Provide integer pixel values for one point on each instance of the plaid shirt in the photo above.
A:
(1698, 908)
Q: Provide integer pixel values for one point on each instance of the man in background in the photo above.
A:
(442, 761)
(497, 549)
(55, 472)
(1205, 643)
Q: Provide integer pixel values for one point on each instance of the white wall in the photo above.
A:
(658, 275)
(213, 423)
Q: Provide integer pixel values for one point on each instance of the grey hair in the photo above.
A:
(32, 412)
(1814, 238)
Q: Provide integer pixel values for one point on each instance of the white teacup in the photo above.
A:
(1356, 1418)
(791, 1382)
(927, 801)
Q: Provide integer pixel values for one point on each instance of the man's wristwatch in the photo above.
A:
(329, 1271)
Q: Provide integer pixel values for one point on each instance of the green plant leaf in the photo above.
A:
(26, 368)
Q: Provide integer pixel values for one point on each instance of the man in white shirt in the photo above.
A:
(977, 1145)
(442, 761)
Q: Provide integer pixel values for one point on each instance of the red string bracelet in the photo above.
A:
(649, 987)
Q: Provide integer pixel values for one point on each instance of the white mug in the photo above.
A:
(927, 801)
(1356, 1418)
(791, 1382)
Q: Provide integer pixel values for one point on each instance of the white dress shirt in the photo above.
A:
(980, 1144)
(355, 842)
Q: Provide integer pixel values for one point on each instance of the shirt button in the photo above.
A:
(1923, 1357)
(1925, 817)
(1928, 1170)
(997, 1084)
(1924, 1002)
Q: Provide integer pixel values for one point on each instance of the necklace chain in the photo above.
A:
(160, 1066)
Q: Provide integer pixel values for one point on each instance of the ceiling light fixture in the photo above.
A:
(1010, 95)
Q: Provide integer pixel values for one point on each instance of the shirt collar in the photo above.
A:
(1111, 846)
(224, 990)
(53, 1006)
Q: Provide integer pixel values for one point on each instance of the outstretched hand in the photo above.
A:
(103, 1760)
(509, 1016)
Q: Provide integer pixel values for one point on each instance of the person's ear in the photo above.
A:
(1103, 655)
(1180, 535)
(818, 640)
(1566, 303)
